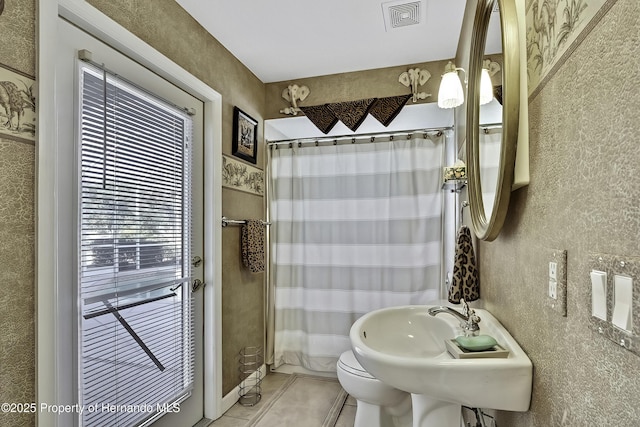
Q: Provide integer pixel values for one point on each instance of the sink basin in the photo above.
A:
(405, 348)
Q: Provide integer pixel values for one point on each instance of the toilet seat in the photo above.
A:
(350, 364)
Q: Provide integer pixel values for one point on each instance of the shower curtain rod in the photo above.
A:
(372, 136)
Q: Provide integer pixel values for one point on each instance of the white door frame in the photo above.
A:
(55, 370)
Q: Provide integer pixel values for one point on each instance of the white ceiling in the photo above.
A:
(291, 39)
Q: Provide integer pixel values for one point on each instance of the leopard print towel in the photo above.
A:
(253, 245)
(465, 283)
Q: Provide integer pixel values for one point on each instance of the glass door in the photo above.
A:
(140, 231)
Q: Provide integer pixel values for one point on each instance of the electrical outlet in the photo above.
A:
(553, 271)
(553, 280)
(553, 289)
(556, 288)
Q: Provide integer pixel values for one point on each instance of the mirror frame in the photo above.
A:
(489, 228)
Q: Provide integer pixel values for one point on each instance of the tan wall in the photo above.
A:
(17, 231)
(583, 197)
(353, 86)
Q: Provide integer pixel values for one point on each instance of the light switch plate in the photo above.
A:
(615, 265)
(557, 267)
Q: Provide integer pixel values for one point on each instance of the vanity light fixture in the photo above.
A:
(451, 94)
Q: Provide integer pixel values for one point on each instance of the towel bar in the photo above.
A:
(226, 222)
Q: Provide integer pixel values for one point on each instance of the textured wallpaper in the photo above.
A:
(584, 142)
(17, 181)
(17, 26)
(17, 305)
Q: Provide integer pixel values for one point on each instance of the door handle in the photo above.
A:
(197, 284)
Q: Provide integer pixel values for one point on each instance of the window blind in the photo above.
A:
(136, 336)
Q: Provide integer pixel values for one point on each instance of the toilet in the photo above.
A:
(379, 405)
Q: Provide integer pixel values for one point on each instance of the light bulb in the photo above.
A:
(486, 87)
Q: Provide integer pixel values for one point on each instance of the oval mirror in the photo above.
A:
(492, 128)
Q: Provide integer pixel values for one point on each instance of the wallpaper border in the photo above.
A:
(572, 48)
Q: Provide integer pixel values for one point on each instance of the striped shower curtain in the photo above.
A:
(355, 227)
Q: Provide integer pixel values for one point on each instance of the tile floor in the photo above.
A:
(239, 416)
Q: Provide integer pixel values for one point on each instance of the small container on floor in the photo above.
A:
(249, 362)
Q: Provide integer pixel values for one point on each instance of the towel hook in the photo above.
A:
(463, 205)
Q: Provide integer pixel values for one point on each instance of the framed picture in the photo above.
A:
(241, 176)
(245, 136)
(18, 102)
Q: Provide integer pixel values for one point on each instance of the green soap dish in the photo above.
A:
(477, 343)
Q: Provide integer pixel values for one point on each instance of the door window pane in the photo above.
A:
(135, 353)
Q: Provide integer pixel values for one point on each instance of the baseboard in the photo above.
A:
(232, 397)
(293, 369)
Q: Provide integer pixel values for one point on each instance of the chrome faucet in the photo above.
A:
(468, 318)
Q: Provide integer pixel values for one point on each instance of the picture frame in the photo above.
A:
(240, 176)
(245, 136)
(17, 105)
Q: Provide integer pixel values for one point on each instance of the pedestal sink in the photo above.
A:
(405, 348)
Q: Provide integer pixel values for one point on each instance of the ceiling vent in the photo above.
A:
(399, 14)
